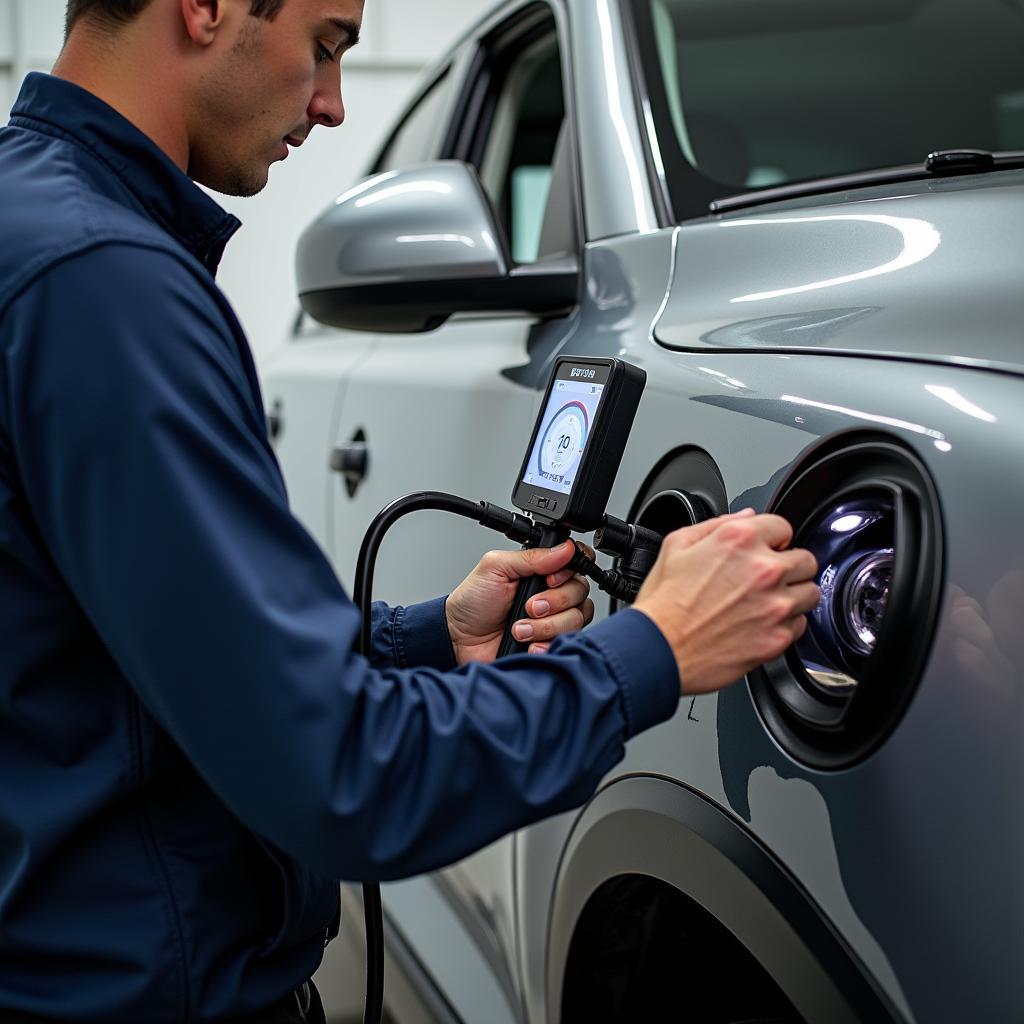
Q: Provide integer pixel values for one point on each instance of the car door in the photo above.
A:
(452, 410)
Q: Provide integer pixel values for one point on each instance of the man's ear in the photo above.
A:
(202, 19)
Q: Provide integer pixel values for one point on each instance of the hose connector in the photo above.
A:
(513, 525)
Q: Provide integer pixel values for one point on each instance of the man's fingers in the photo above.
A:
(799, 627)
(569, 595)
(800, 565)
(805, 597)
(773, 530)
(687, 536)
(546, 629)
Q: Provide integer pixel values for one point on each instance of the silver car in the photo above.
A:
(805, 220)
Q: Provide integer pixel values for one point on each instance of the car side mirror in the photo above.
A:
(404, 251)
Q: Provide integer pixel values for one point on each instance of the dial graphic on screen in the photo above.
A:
(563, 440)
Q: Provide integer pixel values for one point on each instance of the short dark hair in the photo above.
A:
(119, 12)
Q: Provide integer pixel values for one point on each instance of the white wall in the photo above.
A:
(400, 38)
(30, 36)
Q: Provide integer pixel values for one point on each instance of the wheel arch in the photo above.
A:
(656, 828)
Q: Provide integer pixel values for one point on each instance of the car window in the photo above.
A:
(756, 93)
(518, 158)
(418, 136)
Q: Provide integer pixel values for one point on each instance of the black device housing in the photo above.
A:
(583, 508)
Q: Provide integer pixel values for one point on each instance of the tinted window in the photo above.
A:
(754, 93)
(517, 164)
(419, 135)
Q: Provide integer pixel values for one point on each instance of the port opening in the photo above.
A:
(869, 512)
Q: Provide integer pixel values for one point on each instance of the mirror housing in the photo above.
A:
(404, 251)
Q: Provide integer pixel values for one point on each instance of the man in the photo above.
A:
(191, 755)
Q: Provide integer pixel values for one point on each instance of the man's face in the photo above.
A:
(266, 85)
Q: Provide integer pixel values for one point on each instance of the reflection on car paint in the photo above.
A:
(920, 239)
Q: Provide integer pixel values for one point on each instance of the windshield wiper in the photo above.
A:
(943, 163)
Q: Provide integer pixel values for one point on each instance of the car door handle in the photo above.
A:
(275, 419)
(352, 461)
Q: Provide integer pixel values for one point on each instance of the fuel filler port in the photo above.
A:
(869, 513)
(684, 488)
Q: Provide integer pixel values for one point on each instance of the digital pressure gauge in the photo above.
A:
(578, 441)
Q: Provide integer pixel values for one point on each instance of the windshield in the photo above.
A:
(750, 94)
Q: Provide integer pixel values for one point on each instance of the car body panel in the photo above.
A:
(882, 273)
(308, 384)
(461, 961)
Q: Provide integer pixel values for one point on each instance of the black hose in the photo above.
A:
(512, 525)
(373, 914)
(419, 501)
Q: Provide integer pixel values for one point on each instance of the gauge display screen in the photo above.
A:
(565, 429)
(577, 441)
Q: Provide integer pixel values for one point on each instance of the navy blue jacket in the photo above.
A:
(191, 753)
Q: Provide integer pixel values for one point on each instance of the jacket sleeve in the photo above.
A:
(411, 637)
(146, 465)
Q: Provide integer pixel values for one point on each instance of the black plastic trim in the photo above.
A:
(828, 733)
(689, 469)
(537, 290)
(470, 106)
(500, 48)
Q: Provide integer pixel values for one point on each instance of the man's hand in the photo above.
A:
(479, 607)
(728, 596)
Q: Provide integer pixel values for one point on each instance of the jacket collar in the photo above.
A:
(57, 107)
